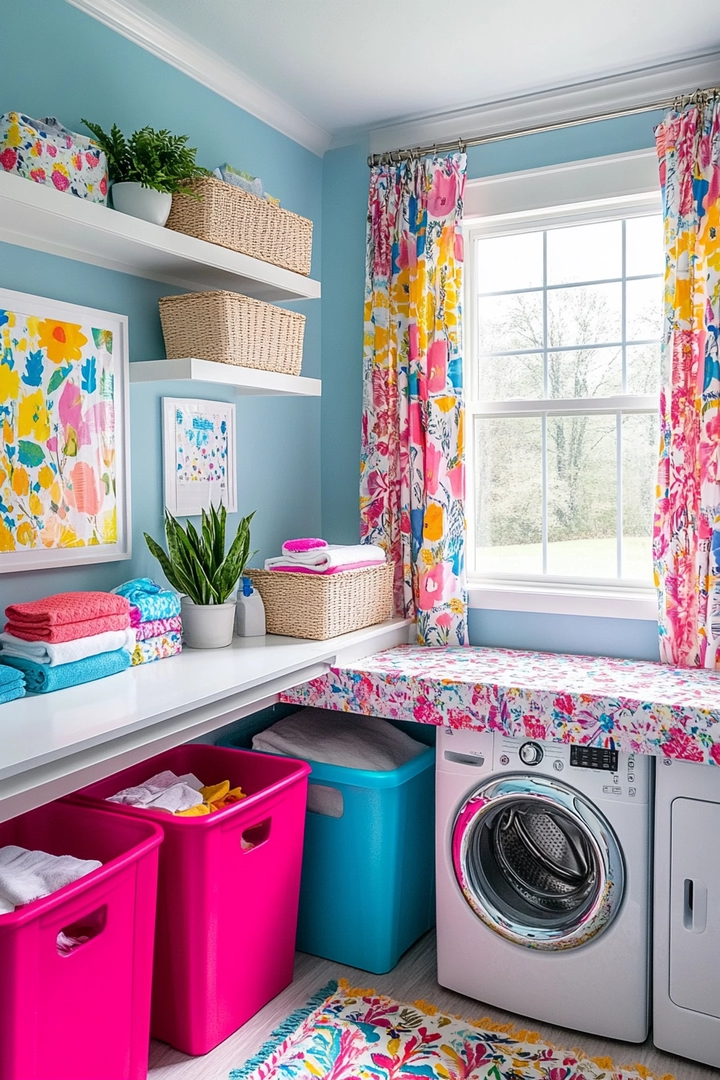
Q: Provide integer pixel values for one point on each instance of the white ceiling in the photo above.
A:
(347, 64)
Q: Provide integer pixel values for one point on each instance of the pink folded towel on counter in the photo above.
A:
(69, 631)
(158, 627)
(68, 616)
(69, 607)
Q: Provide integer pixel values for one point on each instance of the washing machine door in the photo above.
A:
(537, 862)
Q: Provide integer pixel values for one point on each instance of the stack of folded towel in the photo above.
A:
(12, 684)
(155, 618)
(314, 556)
(29, 875)
(67, 639)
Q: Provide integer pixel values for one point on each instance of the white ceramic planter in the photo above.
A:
(141, 202)
(207, 626)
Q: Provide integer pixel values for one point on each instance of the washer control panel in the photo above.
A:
(594, 757)
(606, 775)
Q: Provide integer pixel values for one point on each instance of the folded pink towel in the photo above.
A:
(293, 568)
(307, 543)
(67, 631)
(69, 607)
(158, 627)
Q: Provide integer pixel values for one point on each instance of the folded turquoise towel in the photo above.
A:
(151, 601)
(11, 693)
(8, 678)
(44, 678)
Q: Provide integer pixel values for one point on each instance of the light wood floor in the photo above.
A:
(412, 980)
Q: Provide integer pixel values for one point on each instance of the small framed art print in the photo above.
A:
(199, 455)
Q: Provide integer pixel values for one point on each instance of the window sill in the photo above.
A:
(605, 604)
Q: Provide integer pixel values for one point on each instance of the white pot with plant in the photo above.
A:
(196, 565)
(146, 169)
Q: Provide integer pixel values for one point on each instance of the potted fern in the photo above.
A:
(146, 169)
(196, 565)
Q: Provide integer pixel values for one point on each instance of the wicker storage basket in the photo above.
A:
(235, 219)
(322, 606)
(232, 329)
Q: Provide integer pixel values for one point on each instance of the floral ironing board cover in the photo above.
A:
(630, 705)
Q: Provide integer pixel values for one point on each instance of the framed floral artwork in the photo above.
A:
(64, 445)
(199, 455)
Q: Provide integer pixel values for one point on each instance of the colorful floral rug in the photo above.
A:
(346, 1034)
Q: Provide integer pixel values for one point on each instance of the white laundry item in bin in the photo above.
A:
(165, 791)
(338, 738)
(29, 875)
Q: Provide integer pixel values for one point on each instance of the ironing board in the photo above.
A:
(628, 705)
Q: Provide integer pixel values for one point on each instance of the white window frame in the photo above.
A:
(598, 189)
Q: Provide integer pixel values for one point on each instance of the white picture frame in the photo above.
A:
(64, 434)
(199, 455)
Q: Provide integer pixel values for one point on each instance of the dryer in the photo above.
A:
(686, 974)
(543, 879)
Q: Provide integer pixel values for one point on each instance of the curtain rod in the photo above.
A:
(394, 157)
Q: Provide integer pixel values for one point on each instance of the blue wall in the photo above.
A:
(345, 180)
(345, 192)
(78, 67)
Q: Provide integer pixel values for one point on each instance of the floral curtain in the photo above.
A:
(687, 518)
(412, 484)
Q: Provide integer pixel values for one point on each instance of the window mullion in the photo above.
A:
(544, 418)
(619, 494)
(544, 496)
(623, 308)
(545, 319)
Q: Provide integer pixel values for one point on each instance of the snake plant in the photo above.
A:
(196, 563)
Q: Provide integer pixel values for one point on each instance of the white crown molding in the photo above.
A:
(547, 107)
(163, 40)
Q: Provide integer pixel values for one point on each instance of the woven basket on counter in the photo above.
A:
(232, 329)
(235, 219)
(321, 606)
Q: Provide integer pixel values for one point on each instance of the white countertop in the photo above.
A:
(52, 744)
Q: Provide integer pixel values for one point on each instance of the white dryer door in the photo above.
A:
(537, 862)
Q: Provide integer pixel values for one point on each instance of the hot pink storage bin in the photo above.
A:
(85, 1015)
(226, 915)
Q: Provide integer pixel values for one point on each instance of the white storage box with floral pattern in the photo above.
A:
(47, 153)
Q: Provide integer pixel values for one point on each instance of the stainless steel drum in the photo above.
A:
(537, 862)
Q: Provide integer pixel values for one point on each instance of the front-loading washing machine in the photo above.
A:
(543, 879)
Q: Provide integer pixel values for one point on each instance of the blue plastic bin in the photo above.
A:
(368, 876)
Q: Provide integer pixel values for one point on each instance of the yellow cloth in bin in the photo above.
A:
(215, 797)
(195, 811)
(215, 792)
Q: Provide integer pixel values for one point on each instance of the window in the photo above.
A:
(564, 312)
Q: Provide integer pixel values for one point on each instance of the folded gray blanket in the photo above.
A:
(338, 738)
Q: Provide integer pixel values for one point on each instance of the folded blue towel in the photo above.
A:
(44, 678)
(11, 693)
(8, 678)
(151, 601)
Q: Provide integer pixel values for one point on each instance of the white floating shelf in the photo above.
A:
(38, 217)
(250, 381)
